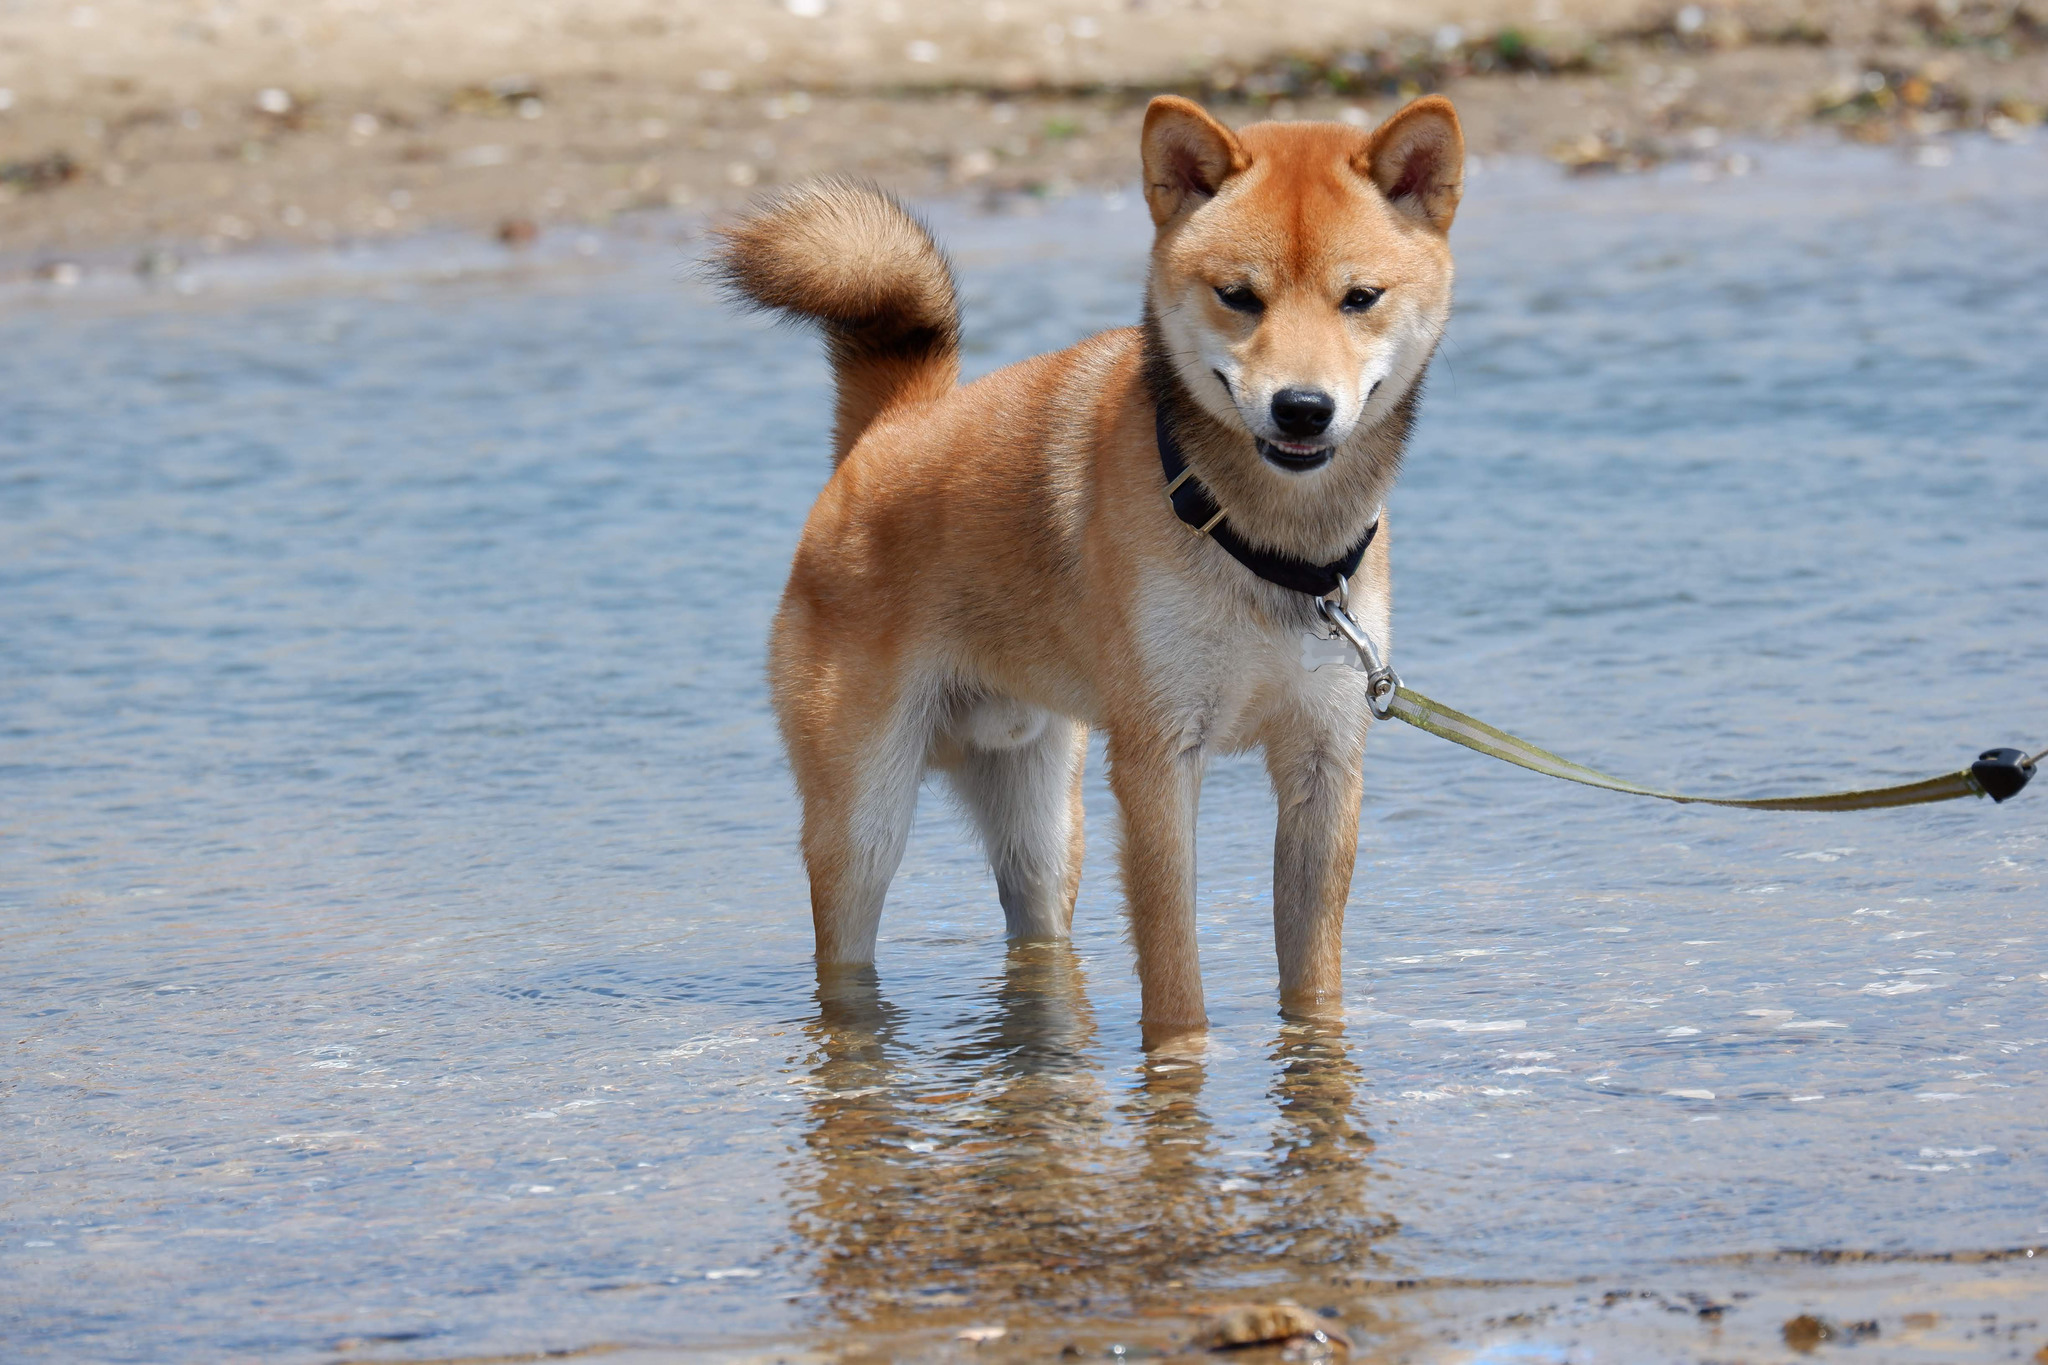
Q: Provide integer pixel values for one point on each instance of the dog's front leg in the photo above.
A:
(1317, 778)
(1157, 778)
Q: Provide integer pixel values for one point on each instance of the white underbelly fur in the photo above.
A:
(992, 724)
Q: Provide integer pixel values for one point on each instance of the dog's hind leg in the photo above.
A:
(859, 755)
(1018, 772)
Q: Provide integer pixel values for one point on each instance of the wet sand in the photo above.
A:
(133, 133)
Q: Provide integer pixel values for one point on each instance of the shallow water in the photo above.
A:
(407, 952)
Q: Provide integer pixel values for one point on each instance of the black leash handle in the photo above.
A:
(2003, 773)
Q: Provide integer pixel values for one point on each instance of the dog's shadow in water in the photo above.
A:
(1031, 1174)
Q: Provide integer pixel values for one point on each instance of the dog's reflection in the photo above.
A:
(1018, 1166)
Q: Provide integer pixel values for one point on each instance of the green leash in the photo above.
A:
(1997, 773)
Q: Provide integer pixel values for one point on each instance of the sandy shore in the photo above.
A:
(132, 128)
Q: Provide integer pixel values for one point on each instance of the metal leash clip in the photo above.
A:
(1382, 683)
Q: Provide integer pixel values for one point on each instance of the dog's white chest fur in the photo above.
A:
(1224, 669)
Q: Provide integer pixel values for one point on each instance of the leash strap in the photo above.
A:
(1445, 723)
(1997, 773)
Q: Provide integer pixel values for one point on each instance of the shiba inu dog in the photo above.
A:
(1129, 534)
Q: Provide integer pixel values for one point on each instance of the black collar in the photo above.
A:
(1193, 504)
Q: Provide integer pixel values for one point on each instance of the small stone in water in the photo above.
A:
(1805, 1332)
(517, 231)
(1257, 1324)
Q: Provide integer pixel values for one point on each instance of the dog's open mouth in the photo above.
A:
(1295, 459)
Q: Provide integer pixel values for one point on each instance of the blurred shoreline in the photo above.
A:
(160, 134)
(1740, 182)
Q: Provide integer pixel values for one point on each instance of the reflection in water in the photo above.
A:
(1018, 1175)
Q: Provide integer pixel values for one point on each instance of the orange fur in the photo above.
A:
(849, 257)
(994, 568)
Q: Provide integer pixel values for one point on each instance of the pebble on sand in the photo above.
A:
(1805, 1332)
(1258, 1324)
(978, 1335)
(45, 172)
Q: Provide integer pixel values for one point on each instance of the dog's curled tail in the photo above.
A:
(849, 257)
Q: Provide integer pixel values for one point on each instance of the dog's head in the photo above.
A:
(1301, 277)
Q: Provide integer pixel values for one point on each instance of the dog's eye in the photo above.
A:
(1360, 299)
(1240, 299)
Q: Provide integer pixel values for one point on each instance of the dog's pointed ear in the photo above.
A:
(1188, 156)
(1417, 158)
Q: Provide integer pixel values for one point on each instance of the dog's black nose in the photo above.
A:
(1302, 413)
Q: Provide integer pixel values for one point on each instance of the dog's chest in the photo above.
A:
(1224, 671)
